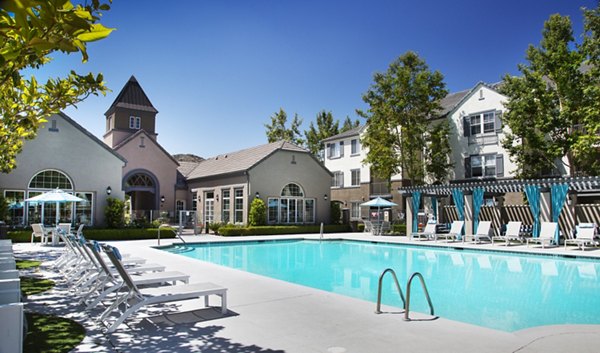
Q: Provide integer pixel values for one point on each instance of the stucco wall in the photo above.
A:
(153, 159)
(90, 166)
(270, 176)
(484, 99)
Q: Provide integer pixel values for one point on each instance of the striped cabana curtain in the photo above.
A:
(533, 197)
(477, 203)
(558, 193)
(459, 201)
(416, 202)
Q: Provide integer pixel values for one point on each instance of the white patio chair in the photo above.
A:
(455, 232)
(39, 232)
(427, 234)
(127, 303)
(586, 234)
(513, 232)
(547, 232)
(483, 232)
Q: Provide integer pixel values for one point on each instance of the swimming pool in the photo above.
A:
(503, 291)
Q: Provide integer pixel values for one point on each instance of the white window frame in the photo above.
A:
(355, 177)
(135, 122)
(236, 198)
(487, 162)
(334, 150)
(337, 181)
(485, 118)
(355, 147)
(355, 210)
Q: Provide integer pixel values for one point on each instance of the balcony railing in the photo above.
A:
(379, 188)
(485, 139)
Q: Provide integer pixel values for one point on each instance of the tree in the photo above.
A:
(552, 109)
(438, 152)
(349, 124)
(277, 130)
(326, 127)
(30, 32)
(400, 103)
(258, 213)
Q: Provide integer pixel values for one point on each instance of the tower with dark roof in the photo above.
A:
(130, 112)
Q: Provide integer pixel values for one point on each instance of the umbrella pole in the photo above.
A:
(57, 214)
(42, 220)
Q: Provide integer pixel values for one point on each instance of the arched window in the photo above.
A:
(291, 207)
(292, 190)
(139, 180)
(51, 179)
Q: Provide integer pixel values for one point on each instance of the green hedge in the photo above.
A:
(24, 236)
(232, 230)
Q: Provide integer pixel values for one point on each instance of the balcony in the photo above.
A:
(484, 139)
(379, 189)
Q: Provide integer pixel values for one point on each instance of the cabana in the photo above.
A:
(545, 198)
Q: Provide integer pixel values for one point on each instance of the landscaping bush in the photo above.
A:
(214, 227)
(114, 213)
(399, 228)
(336, 212)
(258, 213)
(103, 234)
(233, 230)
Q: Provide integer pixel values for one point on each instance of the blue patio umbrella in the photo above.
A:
(379, 203)
(58, 196)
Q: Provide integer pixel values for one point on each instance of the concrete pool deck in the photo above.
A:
(269, 315)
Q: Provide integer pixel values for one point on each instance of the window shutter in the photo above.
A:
(467, 126)
(468, 167)
(498, 120)
(499, 165)
(341, 148)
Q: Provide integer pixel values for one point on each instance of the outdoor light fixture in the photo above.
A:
(108, 190)
(217, 197)
(257, 195)
(162, 199)
(325, 197)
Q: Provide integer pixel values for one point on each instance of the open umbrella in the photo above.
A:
(379, 203)
(57, 196)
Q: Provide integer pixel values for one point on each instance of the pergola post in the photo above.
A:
(469, 214)
(409, 214)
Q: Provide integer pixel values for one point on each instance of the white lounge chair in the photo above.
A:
(134, 298)
(39, 232)
(368, 226)
(586, 234)
(427, 234)
(483, 232)
(547, 232)
(513, 232)
(455, 232)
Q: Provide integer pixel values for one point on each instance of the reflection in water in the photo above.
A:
(501, 291)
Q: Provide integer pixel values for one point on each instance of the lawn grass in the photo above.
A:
(34, 285)
(51, 334)
(27, 264)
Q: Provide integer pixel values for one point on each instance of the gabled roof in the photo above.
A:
(352, 132)
(92, 137)
(454, 100)
(185, 168)
(240, 161)
(132, 96)
(149, 140)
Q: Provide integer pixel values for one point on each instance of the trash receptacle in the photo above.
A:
(206, 227)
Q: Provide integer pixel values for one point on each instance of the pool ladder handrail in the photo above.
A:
(406, 301)
(408, 286)
(177, 232)
(395, 278)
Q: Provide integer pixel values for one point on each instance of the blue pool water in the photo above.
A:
(502, 291)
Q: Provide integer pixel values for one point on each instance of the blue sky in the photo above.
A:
(217, 70)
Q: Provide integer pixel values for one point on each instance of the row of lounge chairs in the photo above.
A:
(586, 234)
(121, 285)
